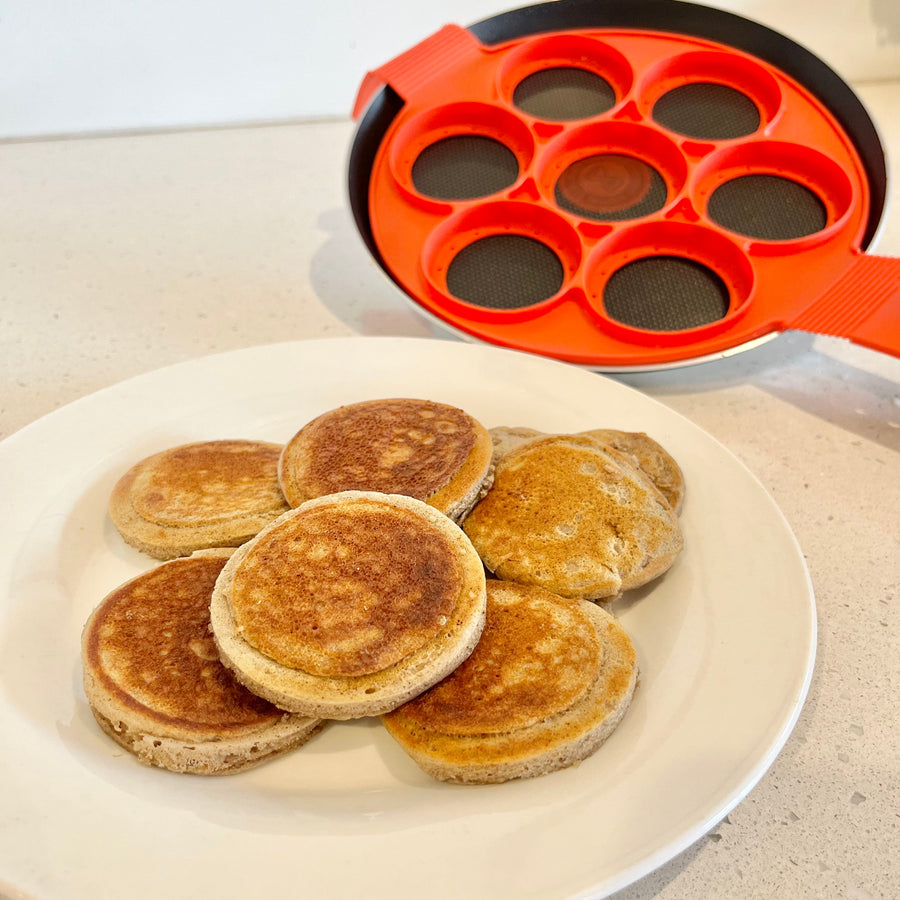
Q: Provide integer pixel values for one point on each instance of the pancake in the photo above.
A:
(429, 451)
(197, 496)
(567, 514)
(349, 605)
(549, 681)
(155, 685)
(650, 457)
(646, 454)
(505, 439)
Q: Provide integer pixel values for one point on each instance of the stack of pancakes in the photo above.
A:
(154, 682)
(360, 587)
(576, 515)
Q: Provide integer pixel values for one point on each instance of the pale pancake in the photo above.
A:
(507, 438)
(567, 514)
(548, 682)
(197, 496)
(430, 451)
(153, 678)
(350, 604)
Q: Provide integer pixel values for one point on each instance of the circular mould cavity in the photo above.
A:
(564, 94)
(501, 256)
(767, 207)
(612, 171)
(610, 187)
(775, 191)
(710, 95)
(564, 77)
(460, 151)
(707, 111)
(666, 293)
(668, 277)
(505, 271)
(463, 167)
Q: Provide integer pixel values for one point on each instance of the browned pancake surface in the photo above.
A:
(206, 483)
(396, 446)
(346, 589)
(565, 514)
(582, 705)
(537, 655)
(650, 457)
(150, 646)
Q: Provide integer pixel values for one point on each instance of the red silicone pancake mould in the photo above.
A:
(624, 185)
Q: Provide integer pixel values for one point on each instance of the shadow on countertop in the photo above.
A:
(850, 387)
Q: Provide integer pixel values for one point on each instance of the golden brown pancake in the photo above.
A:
(548, 682)
(430, 451)
(154, 682)
(196, 496)
(350, 604)
(569, 515)
(650, 457)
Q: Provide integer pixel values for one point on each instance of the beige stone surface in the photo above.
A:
(119, 255)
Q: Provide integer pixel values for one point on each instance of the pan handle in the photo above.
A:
(863, 305)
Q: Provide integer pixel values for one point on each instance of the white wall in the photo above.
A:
(108, 65)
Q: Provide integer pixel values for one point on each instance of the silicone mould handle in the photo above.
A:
(419, 64)
(863, 305)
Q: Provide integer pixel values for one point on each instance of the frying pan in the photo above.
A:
(624, 184)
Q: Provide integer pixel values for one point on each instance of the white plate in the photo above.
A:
(725, 640)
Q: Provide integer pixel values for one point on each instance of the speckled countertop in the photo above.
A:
(119, 255)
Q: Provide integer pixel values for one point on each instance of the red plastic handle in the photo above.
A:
(862, 305)
(419, 64)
